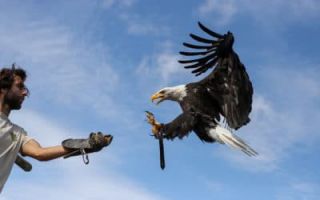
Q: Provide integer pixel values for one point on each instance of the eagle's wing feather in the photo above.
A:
(210, 54)
(228, 83)
(196, 46)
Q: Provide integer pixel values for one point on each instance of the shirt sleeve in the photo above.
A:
(24, 136)
(25, 139)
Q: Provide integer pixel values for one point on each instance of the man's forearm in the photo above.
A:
(34, 150)
(49, 153)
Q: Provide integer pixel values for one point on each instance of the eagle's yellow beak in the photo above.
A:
(157, 96)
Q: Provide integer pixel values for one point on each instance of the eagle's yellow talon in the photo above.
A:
(156, 126)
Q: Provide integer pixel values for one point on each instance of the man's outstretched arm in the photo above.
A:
(33, 149)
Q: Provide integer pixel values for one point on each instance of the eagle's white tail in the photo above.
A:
(224, 136)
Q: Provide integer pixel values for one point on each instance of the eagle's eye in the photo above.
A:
(162, 91)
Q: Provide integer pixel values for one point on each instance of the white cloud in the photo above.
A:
(140, 25)
(140, 28)
(212, 185)
(224, 10)
(299, 190)
(306, 187)
(265, 11)
(162, 67)
(168, 66)
(267, 135)
(74, 180)
(121, 3)
(136, 24)
(82, 184)
(62, 66)
(37, 41)
(43, 129)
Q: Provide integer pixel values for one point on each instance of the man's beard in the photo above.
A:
(13, 101)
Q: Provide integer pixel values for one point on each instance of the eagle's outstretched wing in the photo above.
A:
(228, 83)
(180, 126)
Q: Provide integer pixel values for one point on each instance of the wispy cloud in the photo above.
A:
(299, 190)
(121, 3)
(136, 23)
(278, 122)
(306, 187)
(140, 25)
(162, 67)
(82, 182)
(224, 10)
(268, 134)
(63, 63)
(213, 185)
(264, 11)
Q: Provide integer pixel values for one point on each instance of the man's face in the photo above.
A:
(16, 94)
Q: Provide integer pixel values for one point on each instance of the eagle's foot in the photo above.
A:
(156, 126)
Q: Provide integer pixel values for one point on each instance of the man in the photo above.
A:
(14, 139)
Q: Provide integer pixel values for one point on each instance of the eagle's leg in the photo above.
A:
(156, 126)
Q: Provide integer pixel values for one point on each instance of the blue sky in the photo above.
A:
(93, 65)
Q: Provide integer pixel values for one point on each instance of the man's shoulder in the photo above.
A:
(17, 128)
(6, 125)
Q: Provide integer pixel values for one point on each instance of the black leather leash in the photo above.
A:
(161, 148)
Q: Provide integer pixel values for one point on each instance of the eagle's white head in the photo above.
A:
(176, 93)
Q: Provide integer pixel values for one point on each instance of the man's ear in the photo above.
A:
(3, 91)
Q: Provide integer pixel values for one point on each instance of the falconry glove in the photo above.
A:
(96, 142)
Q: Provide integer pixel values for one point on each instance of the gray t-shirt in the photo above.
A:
(12, 138)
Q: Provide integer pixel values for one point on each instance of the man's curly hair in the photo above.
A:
(7, 76)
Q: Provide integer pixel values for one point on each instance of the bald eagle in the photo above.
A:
(216, 105)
